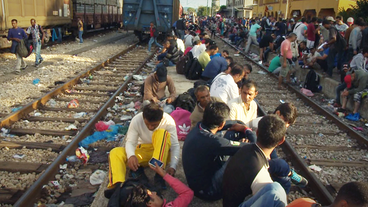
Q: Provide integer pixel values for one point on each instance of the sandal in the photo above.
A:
(341, 110)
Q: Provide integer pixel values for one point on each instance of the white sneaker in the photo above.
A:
(260, 62)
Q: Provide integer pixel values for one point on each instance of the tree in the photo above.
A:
(223, 7)
(203, 11)
(191, 10)
(356, 11)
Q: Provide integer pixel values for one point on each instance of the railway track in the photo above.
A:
(317, 140)
(44, 132)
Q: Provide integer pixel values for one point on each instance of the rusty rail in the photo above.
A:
(33, 192)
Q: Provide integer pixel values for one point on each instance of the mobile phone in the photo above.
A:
(153, 161)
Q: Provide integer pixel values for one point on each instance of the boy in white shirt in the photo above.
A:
(151, 134)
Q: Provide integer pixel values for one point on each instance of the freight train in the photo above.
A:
(59, 16)
(138, 14)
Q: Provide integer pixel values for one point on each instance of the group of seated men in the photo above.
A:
(222, 157)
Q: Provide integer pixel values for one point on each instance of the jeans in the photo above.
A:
(80, 33)
(20, 62)
(251, 40)
(271, 195)
(161, 56)
(279, 170)
(180, 33)
(331, 60)
(161, 64)
(37, 51)
(153, 40)
(339, 89)
(265, 54)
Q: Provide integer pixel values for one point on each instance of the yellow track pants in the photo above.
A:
(159, 149)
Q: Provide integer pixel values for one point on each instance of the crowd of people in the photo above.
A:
(229, 152)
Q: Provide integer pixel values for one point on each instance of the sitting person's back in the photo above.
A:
(198, 48)
(205, 58)
(225, 87)
(214, 67)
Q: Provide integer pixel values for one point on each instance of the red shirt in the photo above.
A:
(151, 32)
(310, 32)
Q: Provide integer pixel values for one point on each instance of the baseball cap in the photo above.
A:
(346, 65)
(350, 19)
(347, 80)
(161, 73)
(329, 18)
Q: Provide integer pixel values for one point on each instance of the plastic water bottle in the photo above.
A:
(72, 159)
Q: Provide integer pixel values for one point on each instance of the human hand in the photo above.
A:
(325, 46)
(355, 52)
(42, 41)
(158, 170)
(133, 163)
(171, 171)
(169, 100)
(284, 65)
(17, 39)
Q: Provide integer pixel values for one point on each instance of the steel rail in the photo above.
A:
(319, 190)
(33, 192)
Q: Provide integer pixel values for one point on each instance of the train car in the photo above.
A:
(47, 13)
(138, 14)
(97, 14)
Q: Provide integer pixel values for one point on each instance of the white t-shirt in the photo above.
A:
(197, 50)
(299, 31)
(138, 133)
(239, 112)
(310, 56)
(180, 44)
(225, 88)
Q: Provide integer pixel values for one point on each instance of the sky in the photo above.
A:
(196, 3)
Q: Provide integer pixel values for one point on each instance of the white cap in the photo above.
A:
(350, 19)
(329, 18)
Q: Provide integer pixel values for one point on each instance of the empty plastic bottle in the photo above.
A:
(72, 158)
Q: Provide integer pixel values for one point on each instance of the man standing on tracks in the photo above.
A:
(153, 34)
(180, 26)
(80, 30)
(151, 134)
(252, 36)
(38, 38)
(16, 34)
(285, 59)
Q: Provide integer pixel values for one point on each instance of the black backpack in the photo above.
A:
(195, 70)
(340, 43)
(185, 101)
(122, 192)
(312, 81)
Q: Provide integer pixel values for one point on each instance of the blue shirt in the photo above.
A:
(214, 67)
(253, 30)
(16, 33)
(216, 55)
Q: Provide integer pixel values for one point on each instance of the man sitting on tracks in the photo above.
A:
(151, 134)
(155, 86)
(216, 66)
(205, 58)
(357, 87)
(203, 150)
(244, 108)
(204, 98)
(246, 172)
(224, 85)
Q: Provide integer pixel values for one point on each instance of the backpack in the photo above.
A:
(183, 64)
(185, 101)
(182, 120)
(121, 193)
(22, 48)
(340, 43)
(312, 81)
(195, 70)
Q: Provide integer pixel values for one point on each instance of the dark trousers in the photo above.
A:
(323, 64)
(339, 89)
(279, 170)
(265, 54)
(161, 56)
(331, 60)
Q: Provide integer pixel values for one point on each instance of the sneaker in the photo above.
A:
(108, 192)
(260, 62)
(297, 179)
(159, 182)
(139, 174)
(24, 67)
(341, 110)
(337, 105)
(40, 62)
(36, 65)
(151, 65)
(353, 117)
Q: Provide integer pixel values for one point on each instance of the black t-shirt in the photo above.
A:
(265, 41)
(245, 174)
(281, 28)
(201, 156)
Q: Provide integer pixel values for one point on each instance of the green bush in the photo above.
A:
(358, 10)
